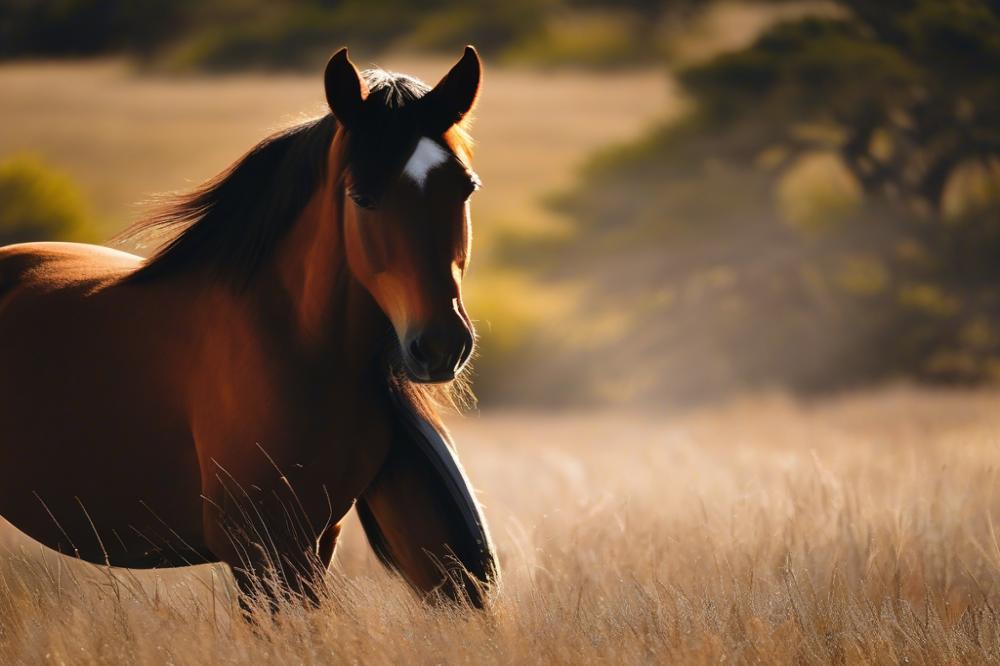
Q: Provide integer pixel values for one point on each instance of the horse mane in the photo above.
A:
(231, 224)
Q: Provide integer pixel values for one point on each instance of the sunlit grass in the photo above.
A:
(856, 530)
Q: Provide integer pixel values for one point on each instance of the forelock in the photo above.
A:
(391, 90)
(389, 130)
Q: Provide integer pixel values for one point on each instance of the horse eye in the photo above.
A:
(363, 200)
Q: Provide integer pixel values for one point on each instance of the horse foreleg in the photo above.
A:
(422, 520)
(270, 562)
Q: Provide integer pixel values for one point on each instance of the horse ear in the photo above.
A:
(345, 89)
(454, 96)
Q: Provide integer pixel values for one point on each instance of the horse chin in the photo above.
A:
(418, 377)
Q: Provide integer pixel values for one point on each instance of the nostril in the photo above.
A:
(416, 352)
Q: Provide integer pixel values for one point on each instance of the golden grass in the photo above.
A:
(856, 530)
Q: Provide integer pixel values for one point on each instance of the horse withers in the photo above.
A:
(273, 364)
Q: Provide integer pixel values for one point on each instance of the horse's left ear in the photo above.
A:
(345, 88)
(454, 96)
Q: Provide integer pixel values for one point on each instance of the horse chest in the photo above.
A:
(327, 444)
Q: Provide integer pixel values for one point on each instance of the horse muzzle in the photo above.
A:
(438, 352)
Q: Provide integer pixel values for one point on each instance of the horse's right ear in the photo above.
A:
(345, 89)
(455, 95)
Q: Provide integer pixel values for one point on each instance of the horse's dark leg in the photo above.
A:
(422, 520)
(272, 578)
(270, 562)
(328, 544)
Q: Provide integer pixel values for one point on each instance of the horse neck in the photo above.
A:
(330, 312)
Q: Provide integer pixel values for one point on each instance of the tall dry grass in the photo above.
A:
(857, 530)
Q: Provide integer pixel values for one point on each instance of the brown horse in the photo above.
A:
(232, 397)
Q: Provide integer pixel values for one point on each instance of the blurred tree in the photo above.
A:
(906, 93)
(910, 82)
(828, 213)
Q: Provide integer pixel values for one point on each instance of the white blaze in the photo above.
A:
(428, 155)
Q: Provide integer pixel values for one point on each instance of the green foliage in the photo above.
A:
(39, 203)
(792, 70)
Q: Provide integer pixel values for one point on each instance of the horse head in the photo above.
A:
(406, 191)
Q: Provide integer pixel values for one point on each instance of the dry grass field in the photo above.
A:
(853, 530)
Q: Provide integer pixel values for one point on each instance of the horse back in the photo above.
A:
(53, 265)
